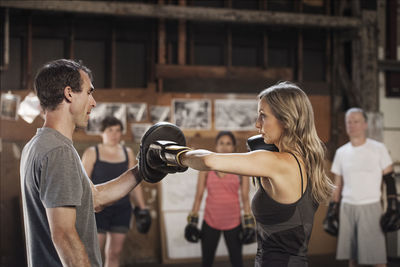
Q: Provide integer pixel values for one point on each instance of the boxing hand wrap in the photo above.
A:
(142, 219)
(390, 220)
(192, 233)
(165, 155)
(248, 233)
(159, 169)
(331, 221)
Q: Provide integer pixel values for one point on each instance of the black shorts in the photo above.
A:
(115, 219)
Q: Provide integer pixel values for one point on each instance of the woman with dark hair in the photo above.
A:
(104, 162)
(222, 210)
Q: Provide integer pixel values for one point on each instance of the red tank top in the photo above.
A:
(222, 209)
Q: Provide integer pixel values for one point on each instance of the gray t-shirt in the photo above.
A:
(52, 175)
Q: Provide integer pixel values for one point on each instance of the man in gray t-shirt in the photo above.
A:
(59, 199)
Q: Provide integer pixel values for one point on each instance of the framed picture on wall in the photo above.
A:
(160, 113)
(136, 112)
(138, 130)
(9, 106)
(235, 114)
(103, 110)
(192, 114)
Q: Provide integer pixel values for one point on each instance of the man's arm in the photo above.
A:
(107, 193)
(66, 240)
(338, 190)
(136, 195)
(388, 169)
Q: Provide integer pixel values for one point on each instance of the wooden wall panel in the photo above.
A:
(138, 248)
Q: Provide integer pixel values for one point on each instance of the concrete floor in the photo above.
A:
(314, 261)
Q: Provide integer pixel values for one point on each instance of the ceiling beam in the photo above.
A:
(191, 13)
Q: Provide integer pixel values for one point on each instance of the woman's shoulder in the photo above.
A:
(90, 150)
(89, 153)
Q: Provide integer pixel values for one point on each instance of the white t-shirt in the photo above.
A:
(361, 168)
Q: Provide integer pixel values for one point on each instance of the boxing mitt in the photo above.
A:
(158, 169)
(331, 221)
(192, 233)
(142, 219)
(247, 235)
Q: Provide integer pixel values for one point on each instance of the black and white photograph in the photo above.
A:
(103, 90)
(9, 106)
(29, 108)
(138, 130)
(235, 114)
(136, 112)
(160, 113)
(103, 110)
(192, 114)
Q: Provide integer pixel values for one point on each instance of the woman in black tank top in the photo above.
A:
(291, 182)
(103, 163)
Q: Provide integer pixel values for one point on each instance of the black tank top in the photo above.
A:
(283, 230)
(104, 171)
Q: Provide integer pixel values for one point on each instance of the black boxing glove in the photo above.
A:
(164, 156)
(142, 219)
(390, 220)
(247, 235)
(331, 221)
(192, 233)
(256, 142)
(159, 131)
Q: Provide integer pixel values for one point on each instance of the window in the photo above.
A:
(12, 77)
(282, 47)
(131, 62)
(45, 50)
(208, 44)
(314, 55)
(247, 46)
(92, 53)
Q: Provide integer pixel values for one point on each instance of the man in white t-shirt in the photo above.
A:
(358, 167)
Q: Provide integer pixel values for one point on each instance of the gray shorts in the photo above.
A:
(360, 235)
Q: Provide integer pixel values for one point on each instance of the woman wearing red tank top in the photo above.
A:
(222, 209)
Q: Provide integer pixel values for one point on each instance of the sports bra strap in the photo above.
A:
(126, 153)
(97, 152)
(301, 173)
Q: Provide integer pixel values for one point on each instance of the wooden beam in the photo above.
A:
(369, 62)
(389, 65)
(300, 61)
(182, 37)
(177, 71)
(228, 45)
(161, 41)
(113, 57)
(188, 13)
(28, 66)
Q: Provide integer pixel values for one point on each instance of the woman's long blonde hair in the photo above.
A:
(291, 106)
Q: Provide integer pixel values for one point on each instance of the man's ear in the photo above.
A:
(68, 94)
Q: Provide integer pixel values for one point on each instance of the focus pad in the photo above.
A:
(160, 131)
